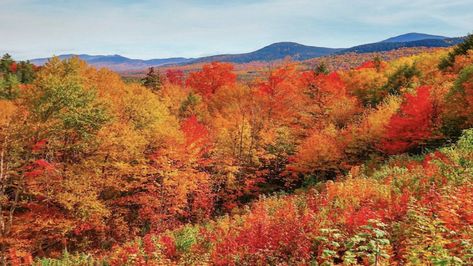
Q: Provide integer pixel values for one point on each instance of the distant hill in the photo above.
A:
(388, 46)
(272, 52)
(275, 51)
(117, 62)
(414, 36)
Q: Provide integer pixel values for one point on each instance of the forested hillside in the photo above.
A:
(370, 165)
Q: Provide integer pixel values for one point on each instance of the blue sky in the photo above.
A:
(164, 28)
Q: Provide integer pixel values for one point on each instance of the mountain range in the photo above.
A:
(388, 46)
(271, 52)
(414, 36)
(117, 62)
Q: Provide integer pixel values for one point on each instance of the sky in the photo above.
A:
(148, 29)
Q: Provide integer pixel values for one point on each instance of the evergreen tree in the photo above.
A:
(9, 87)
(153, 80)
(460, 49)
(403, 77)
(321, 69)
(5, 63)
(25, 72)
(8, 80)
(377, 63)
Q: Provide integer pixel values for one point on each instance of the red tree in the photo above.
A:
(413, 125)
(13, 67)
(366, 64)
(196, 136)
(319, 85)
(175, 77)
(211, 78)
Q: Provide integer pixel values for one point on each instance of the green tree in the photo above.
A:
(65, 112)
(153, 80)
(8, 80)
(377, 63)
(189, 105)
(403, 77)
(25, 72)
(5, 63)
(321, 69)
(460, 49)
(9, 86)
(459, 100)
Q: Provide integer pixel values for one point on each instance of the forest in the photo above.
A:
(368, 165)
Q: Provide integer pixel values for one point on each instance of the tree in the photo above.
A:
(66, 116)
(376, 63)
(9, 86)
(153, 80)
(362, 137)
(196, 137)
(327, 100)
(66, 113)
(402, 78)
(11, 183)
(320, 156)
(413, 126)
(5, 63)
(8, 78)
(366, 83)
(321, 69)
(136, 151)
(460, 49)
(211, 78)
(459, 104)
(25, 71)
(237, 129)
(175, 77)
(189, 107)
(280, 95)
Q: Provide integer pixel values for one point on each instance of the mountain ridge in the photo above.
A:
(117, 62)
(413, 36)
(274, 51)
(388, 46)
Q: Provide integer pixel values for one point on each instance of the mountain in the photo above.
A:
(414, 36)
(117, 62)
(272, 52)
(388, 46)
(301, 52)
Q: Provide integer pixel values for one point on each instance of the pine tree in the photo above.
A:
(153, 80)
(321, 69)
(460, 49)
(5, 63)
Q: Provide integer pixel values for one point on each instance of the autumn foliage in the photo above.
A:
(414, 125)
(291, 166)
(211, 78)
